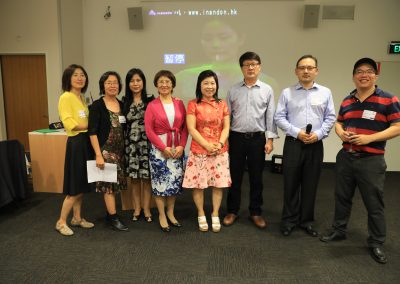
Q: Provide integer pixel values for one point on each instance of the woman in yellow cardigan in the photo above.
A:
(74, 115)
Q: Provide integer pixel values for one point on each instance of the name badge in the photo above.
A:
(81, 114)
(369, 114)
(122, 119)
(315, 101)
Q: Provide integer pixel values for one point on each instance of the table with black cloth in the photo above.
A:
(13, 174)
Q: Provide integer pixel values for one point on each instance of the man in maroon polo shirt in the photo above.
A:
(367, 118)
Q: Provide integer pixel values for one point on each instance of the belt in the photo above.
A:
(291, 138)
(249, 135)
(361, 154)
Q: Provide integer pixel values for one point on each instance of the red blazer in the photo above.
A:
(156, 123)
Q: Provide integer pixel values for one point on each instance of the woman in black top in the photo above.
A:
(106, 131)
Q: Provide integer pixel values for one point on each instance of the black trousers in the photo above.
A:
(368, 174)
(301, 171)
(248, 148)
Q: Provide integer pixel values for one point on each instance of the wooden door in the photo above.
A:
(25, 95)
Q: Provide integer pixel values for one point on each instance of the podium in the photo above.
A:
(47, 151)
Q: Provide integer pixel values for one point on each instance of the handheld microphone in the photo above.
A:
(308, 128)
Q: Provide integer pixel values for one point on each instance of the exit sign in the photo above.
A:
(394, 47)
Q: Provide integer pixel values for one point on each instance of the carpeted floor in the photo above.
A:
(31, 251)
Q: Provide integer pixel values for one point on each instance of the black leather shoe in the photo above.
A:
(333, 236)
(286, 231)
(378, 254)
(117, 224)
(310, 230)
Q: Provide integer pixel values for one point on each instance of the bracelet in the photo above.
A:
(222, 144)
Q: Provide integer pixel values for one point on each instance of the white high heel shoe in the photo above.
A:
(215, 224)
(203, 225)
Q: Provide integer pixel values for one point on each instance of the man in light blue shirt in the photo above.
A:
(251, 104)
(306, 113)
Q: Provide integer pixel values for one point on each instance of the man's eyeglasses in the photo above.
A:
(363, 72)
(251, 65)
(308, 68)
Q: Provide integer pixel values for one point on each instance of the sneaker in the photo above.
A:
(64, 229)
(82, 223)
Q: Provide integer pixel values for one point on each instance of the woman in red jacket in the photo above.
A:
(166, 130)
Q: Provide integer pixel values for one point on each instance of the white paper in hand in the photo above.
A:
(108, 174)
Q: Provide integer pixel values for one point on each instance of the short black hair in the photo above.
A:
(67, 75)
(105, 76)
(367, 61)
(249, 55)
(307, 56)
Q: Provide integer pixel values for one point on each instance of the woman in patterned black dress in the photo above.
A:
(106, 130)
(136, 150)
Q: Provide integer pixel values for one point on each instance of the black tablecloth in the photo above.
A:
(13, 176)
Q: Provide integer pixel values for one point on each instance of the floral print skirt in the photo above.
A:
(166, 174)
(203, 171)
(113, 152)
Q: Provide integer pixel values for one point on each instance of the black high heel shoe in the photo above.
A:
(176, 224)
(148, 219)
(136, 217)
(165, 229)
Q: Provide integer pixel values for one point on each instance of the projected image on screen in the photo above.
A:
(209, 37)
(222, 46)
(194, 13)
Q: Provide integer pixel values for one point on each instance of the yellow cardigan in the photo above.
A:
(72, 112)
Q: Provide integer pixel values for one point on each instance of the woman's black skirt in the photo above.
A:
(77, 153)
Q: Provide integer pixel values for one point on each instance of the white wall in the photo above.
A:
(32, 27)
(71, 32)
(278, 36)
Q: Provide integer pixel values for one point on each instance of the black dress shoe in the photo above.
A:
(378, 254)
(286, 231)
(333, 236)
(117, 224)
(310, 230)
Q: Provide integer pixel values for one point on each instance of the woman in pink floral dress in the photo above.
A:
(208, 163)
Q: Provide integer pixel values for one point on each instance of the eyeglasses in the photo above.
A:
(111, 83)
(308, 68)
(363, 72)
(251, 65)
(164, 82)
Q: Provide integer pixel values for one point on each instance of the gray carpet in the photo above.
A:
(31, 251)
